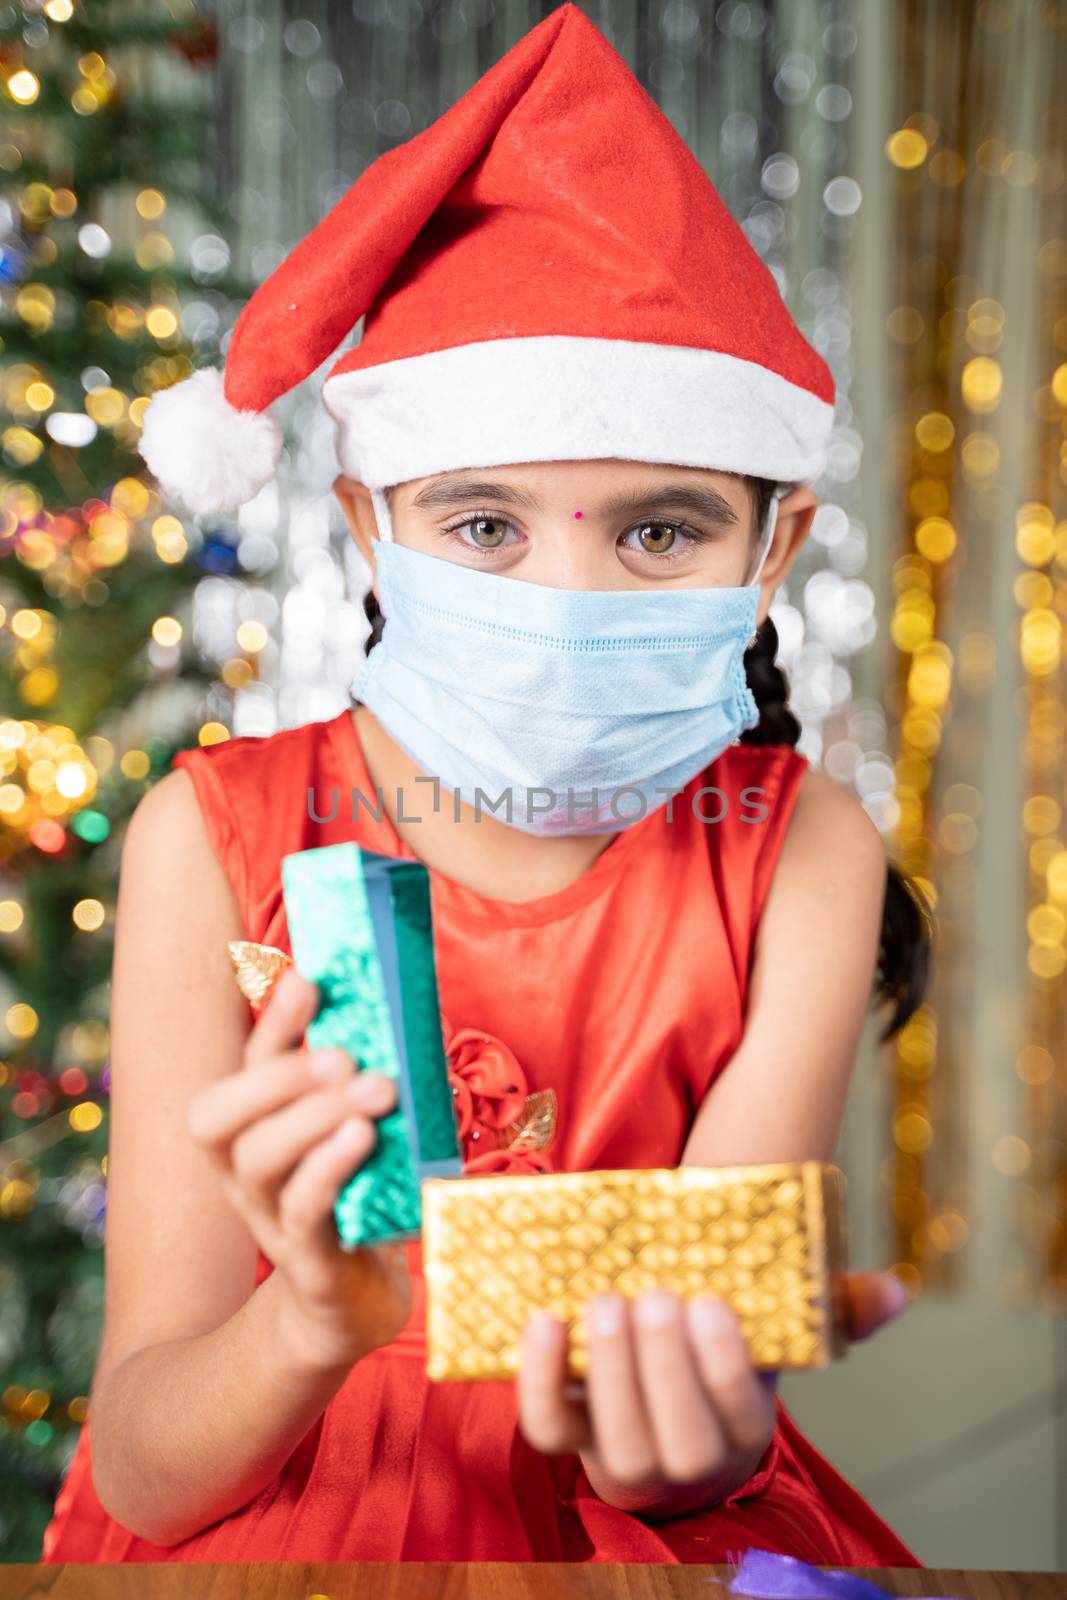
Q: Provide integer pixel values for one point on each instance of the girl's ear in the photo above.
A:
(355, 501)
(796, 512)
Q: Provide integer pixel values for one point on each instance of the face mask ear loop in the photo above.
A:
(768, 537)
(381, 516)
(767, 541)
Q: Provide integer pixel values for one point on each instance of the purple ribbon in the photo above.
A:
(772, 1577)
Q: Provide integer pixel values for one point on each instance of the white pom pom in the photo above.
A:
(204, 452)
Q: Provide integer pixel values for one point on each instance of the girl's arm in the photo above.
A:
(203, 1386)
(782, 1094)
(188, 1430)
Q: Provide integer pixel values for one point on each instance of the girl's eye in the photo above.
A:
(480, 522)
(661, 539)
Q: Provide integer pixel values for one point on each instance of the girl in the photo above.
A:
(571, 510)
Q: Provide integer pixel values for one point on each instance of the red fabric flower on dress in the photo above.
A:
(490, 1085)
(490, 1094)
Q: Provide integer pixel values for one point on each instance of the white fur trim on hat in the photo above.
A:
(563, 398)
(204, 452)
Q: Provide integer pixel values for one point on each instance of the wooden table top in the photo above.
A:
(474, 1580)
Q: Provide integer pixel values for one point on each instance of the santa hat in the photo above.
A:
(545, 273)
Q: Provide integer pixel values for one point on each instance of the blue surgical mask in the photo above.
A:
(570, 710)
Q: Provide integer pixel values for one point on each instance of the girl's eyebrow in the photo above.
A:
(707, 503)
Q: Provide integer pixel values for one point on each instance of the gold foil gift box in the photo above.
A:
(769, 1239)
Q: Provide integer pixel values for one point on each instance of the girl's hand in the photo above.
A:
(872, 1299)
(671, 1396)
(287, 1132)
(668, 1403)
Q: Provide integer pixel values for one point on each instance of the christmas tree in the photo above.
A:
(114, 282)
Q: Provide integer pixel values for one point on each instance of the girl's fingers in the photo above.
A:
(306, 1202)
(552, 1416)
(745, 1406)
(872, 1298)
(622, 1431)
(224, 1108)
(293, 1003)
(689, 1438)
(264, 1155)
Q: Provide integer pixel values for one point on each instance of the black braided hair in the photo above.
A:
(904, 952)
(374, 617)
(370, 602)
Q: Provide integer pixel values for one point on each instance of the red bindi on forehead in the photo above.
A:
(577, 513)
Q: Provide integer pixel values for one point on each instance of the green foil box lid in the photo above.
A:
(360, 927)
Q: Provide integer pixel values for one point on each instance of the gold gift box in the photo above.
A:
(769, 1239)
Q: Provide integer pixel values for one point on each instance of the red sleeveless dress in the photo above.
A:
(625, 993)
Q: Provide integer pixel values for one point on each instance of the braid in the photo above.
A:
(371, 609)
(777, 724)
(375, 618)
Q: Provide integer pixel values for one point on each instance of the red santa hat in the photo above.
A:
(545, 273)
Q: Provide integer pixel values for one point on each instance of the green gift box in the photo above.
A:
(361, 928)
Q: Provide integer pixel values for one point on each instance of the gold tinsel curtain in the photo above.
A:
(977, 335)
